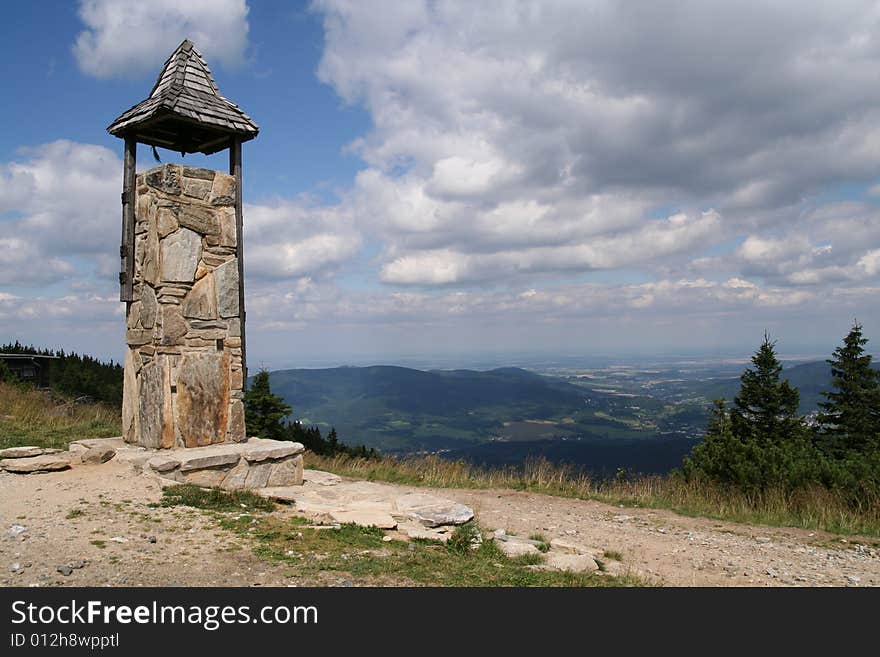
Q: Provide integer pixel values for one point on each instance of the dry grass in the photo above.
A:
(34, 417)
(810, 508)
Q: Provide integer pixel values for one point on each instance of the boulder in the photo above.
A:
(98, 455)
(42, 463)
(516, 548)
(321, 478)
(576, 563)
(433, 511)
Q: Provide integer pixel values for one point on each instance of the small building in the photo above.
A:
(31, 368)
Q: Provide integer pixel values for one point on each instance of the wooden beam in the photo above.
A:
(126, 273)
(235, 170)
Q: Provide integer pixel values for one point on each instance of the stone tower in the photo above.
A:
(182, 264)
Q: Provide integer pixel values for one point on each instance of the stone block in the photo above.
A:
(134, 315)
(202, 406)
(165, 178)
(259, 449)
(180, 253)
(174, 326)
(228, 234)
(150, 404)
(201, 458)
(258, 475)
(199, 173)
(136, 337)
(236, 432)
(235, 478)
(148, 307)
(206, 478)
(199, 189)
(163, 463)
(201, 301)
(226, 276)
(166, 221)
(286, 472)
(200, 219)
(223, 192)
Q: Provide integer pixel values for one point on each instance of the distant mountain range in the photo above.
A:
(505, 414)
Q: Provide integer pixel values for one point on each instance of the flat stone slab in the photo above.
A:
(321, 478)
(43, 463)
(284, 494)
(417, 531)
(88, 443)
(257, 449)
(26, 452)
(433, 511)
(163, 463)
(212, 456)
(364, 518)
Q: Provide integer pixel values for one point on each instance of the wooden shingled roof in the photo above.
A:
(185, 111)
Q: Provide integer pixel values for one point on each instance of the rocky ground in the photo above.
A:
(93, 525)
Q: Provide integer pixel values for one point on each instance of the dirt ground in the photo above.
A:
(95, 523)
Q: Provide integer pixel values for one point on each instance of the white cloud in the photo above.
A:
(131, 37)
(528, 137)
(61, 204)
(290, 239)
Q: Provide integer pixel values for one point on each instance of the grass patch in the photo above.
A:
(543, 544)
(35, 417)
(809, 508)
(613, 555)
(99, 544)
(75, 513)
(214, 499)
(360, 553)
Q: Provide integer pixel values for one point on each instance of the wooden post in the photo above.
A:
(235, 170)
(126, 251)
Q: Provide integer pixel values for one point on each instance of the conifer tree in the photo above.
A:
(766, 410)
(263, 411)
(850, 418)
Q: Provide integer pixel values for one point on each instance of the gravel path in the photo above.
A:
(93, 526)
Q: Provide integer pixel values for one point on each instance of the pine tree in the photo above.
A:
(332, 442)
(766, 410)
(761, 441)
(263, 411)
(850, 418)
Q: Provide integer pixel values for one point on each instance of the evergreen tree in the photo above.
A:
(332, 441)
(263, 411)
(850, 418)
(766, 410)
(761, 441)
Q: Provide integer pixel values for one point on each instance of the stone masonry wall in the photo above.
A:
(183, 371)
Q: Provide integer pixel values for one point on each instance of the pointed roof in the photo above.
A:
(185, 111)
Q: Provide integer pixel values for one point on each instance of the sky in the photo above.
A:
(456, 179)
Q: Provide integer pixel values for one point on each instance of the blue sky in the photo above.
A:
(449, 178)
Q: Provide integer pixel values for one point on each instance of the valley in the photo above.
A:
(639, 417)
